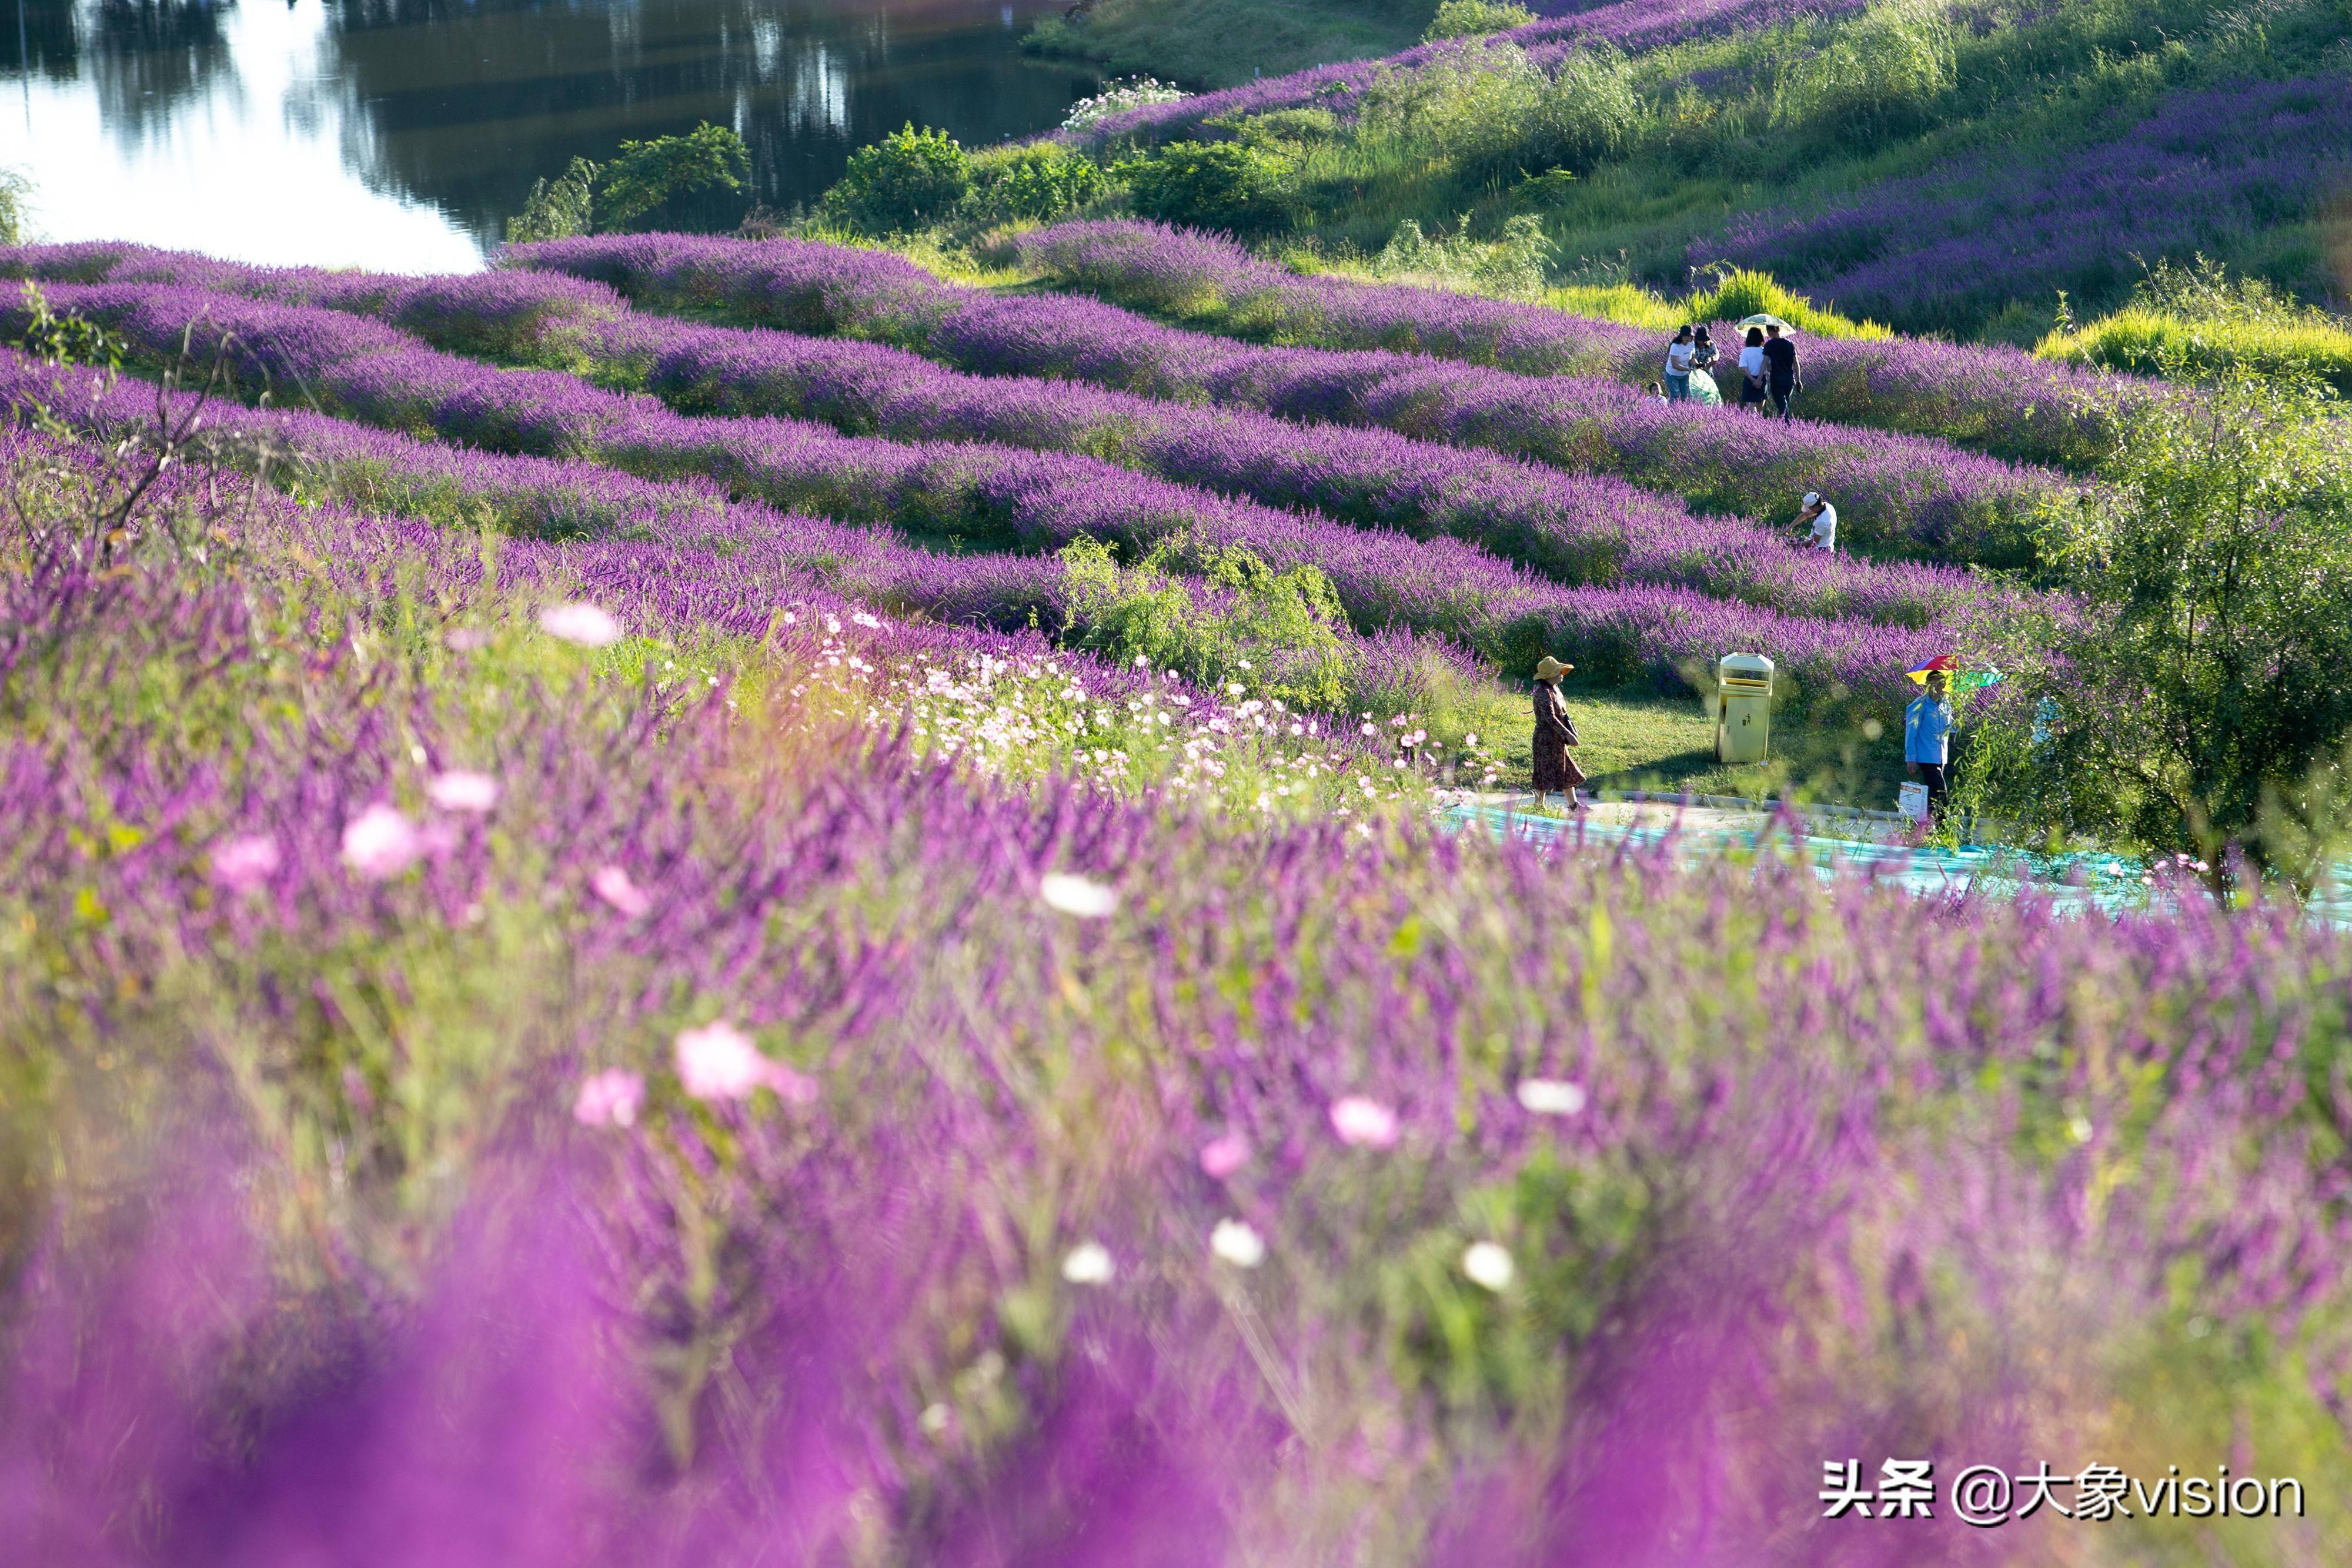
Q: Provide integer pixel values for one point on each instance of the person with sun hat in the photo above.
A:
(1555, 769)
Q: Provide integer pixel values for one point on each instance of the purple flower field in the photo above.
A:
(998, 497)
(1583, 529)
(1909, 495)
(515, 1053)
(2206, 168)
(2003, 400)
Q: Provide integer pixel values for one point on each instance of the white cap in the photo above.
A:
(1812, 498)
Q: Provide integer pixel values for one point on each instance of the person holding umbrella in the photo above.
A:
(1555, 769)
(1927, 732)
(1751, 369)
(1781, 381)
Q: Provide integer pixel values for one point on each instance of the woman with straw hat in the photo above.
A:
(1554, 768)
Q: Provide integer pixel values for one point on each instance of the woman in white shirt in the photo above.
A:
(1751, 369)
(1679, 366)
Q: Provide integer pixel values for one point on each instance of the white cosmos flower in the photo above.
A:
(1487, 1264)
(1552, 1096)
(1237, 1244)
(1078, 896)
(1088, 1263)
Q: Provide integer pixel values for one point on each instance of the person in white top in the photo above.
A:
(1679, 366)
(1822, 517)
(1751, 369)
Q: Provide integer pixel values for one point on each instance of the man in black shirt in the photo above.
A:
(1780, 382)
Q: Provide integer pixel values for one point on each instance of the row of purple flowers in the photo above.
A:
(1906, 495)
(1579, 528)
(992, 498)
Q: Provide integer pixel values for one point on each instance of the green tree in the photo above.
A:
(645, 174)
(2204, 683)
(561, 208)
(1222, 185)
(905, 180)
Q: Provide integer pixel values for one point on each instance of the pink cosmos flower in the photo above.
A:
(1363, 1122)
(720, 1062)
(609, 1099)
(583, 625)
(458, 791)
(1220, 1157)
(380, 843)
(245, 863)
(612, 885)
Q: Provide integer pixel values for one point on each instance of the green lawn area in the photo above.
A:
(1668, 744)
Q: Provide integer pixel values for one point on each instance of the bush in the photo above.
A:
(1583, 113)
(908, 179)
(1468, 19)
(647, 174)
(15, 195)
(1489, 111)
(563, 208)
(2199, 319)
(1879, 78)
(1222, 185)
(1742, 292)
(2200, 686)
(1044, 179)
(1512, 266)
(1215, 612)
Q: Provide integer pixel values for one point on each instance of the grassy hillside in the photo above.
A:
(1940, 168)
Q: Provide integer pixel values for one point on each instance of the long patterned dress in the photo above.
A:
(1556, 770)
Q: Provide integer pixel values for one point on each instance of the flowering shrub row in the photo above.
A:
(993, 496)
(2003, 399)
(1905, 494)
(1583, 529)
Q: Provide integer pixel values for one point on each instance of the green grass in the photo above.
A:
(1222, 43)
(2152, 341)
(1636, 742)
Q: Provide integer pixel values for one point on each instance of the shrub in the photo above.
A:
(1215, 612)
(905, 180)
(15, 195)
(1471, 103)
(1583, 113)
(1044, 179)
(1512, 266)
(647, 174)
(1117, 97)
(1468, 19)
(1220, 185)
(2198, 318)
(1489, 110)
(563, 208)
(2202, 681)
(1878, 78)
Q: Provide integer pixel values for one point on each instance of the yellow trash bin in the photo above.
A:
(1743, 707)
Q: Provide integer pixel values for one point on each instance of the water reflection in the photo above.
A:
(339, 130)
(150, 58)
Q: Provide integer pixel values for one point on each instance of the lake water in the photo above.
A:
(400, 134)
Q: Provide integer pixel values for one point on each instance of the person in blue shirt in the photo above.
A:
(1927, 740)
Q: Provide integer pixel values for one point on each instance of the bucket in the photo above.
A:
(1912, 801)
